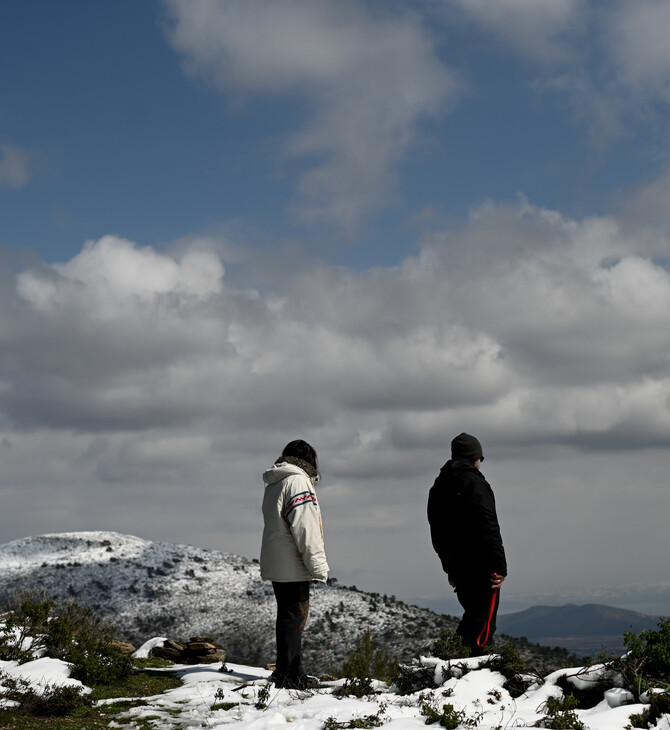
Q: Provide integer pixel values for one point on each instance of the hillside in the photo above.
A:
(147, 589)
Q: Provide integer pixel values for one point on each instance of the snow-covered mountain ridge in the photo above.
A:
(146, 589)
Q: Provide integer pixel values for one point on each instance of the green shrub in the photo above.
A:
(506, 660)
(368, 721)
(368, 659)
(448, 716)
(449, 645)
(68, 632)
(24, 625)
(77, 636)
(355, 686)
(659, 705)
(263, 697)
(410, 678)
(637, 720)
(51, 701)
(647, 663)
(561, 715)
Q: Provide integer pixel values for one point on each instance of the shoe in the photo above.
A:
(302, 682)
(278, 678)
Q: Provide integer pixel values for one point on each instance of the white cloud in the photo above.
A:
(15, 167)
(127, 374)
(542, 31)
(609, 60)
(115, 273)
(647, 216)
(520, 306)
(638, 43)
(367, 78)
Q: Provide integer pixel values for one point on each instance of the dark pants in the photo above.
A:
(475, 597)
(292, 610)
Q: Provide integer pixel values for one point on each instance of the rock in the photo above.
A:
(124, 647)
(197, 650)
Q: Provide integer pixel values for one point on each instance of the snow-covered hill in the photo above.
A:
(147, 589)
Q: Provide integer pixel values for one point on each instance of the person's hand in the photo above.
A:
(497, 580)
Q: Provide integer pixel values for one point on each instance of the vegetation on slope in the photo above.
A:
(36, 625)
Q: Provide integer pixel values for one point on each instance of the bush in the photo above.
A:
(410, 678)
(507, 661)
(35, 624)
(77, 636)
(449, 645)
(368, 659)
(24, 626)
(647, 663)
(447, 716)
(52, 701)
(561, 715)
(368, 721)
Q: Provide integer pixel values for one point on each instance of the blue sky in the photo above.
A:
(121, 140)
(373, 225)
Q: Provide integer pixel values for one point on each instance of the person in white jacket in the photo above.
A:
(292, 552)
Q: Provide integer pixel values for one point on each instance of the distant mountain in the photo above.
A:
(146, 589)
(571, 620)
(583, 630)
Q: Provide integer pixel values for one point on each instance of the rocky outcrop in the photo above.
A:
(197, 650)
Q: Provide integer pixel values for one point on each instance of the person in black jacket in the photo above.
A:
(466, 536)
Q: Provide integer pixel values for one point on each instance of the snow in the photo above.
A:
(145, 588)
(145, 650)
(40, 673)
(210, 698)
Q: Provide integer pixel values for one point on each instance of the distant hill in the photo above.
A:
(146, 589)
(584, 630)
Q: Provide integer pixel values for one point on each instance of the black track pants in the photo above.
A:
(475, 597)
(292, 610)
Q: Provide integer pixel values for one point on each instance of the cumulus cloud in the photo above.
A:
(15, 167)
(132, 375)
(524, 316)
(366, 78)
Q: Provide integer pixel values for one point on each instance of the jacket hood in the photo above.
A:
(280, 471)
(461, 465)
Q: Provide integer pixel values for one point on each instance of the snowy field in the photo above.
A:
(243, 697)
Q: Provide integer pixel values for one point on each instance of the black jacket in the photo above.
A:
(463, 523)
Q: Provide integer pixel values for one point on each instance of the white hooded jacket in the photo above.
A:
(292, 548)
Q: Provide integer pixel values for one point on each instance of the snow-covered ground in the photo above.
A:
(242, 697)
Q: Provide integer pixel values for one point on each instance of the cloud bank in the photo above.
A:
(147, 371)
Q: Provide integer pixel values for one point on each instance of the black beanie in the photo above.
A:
(466, 448)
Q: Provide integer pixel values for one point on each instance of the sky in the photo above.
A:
(371, 225)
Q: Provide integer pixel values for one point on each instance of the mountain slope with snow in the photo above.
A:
(146, 589)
